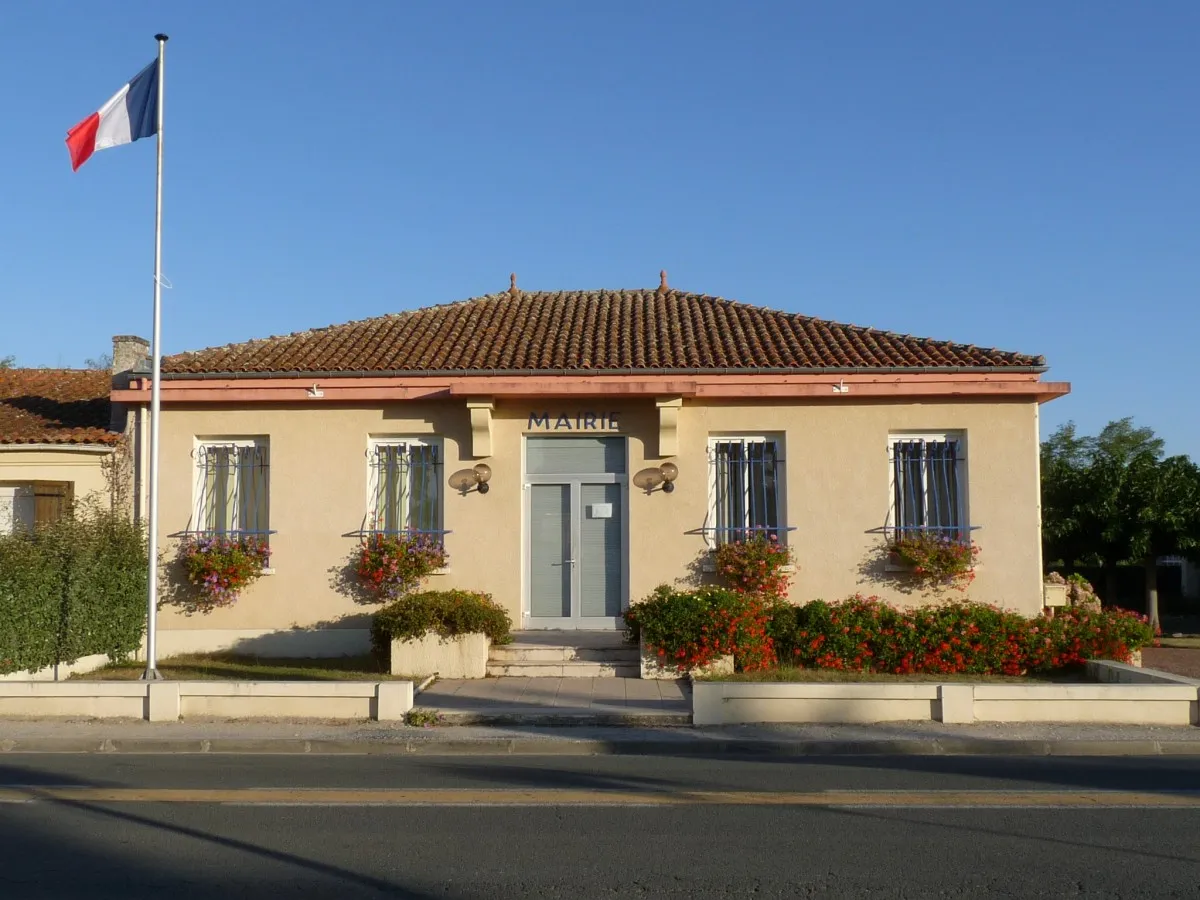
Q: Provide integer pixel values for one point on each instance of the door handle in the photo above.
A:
(565, 562)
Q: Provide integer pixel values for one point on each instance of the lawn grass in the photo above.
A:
(833, 676)
(233, 667)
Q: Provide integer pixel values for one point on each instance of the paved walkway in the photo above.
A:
(623, 697)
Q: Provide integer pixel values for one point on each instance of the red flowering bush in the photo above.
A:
(392, 565)
(867, 635)
(755, 566)
(940, 560)
(220, 567)
(691, 629)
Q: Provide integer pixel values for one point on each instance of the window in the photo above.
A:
(232, 488)
(744, 488)
(927, 485)
(31, 504)
(404, 486)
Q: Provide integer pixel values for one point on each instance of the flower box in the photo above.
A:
(462, 656)
(650, 667)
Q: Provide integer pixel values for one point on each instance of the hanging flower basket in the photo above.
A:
(221, 567)
(939, 560)
(758, 565)
(392, 565)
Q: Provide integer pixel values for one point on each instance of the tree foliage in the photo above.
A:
(7, 362)
(1114, 498)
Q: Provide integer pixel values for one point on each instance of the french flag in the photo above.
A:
(132, 113)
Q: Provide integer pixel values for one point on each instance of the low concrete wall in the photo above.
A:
(1121, 673)
(61, 672)
(1125, 704)
(738, 703)
(162, 701)
(464, 656)
(735, 703)
(87, 699)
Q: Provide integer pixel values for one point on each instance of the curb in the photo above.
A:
(589, 747)
(535, 718)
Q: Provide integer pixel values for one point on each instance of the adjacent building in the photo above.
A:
(574, 449)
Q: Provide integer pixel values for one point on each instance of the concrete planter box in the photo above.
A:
(650, 667)
(1165, 700)
(464, 656)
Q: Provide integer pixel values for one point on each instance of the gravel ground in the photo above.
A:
(1176, 661)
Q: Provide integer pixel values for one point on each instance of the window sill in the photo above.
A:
(444, 570)
(270, 570)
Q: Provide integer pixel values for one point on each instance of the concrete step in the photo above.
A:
(569, 669)
(533, 653)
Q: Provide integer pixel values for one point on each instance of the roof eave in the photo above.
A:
(639, 372)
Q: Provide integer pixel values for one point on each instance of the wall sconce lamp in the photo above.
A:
(477, 477)
(649, 479)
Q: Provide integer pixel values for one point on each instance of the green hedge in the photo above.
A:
(447, 613)
(72, 589)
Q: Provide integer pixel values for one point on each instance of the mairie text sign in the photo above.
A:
(579, 421)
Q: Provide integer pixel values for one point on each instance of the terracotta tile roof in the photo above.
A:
(590, 331)
(55, 406)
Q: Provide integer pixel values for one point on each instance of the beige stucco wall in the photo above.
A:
(836, 493)
(83, 467)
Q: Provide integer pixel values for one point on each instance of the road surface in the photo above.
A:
(494, 827)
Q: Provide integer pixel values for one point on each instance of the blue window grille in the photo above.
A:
(406, 489)
(234, 485)
(745, 488)
(927, 488)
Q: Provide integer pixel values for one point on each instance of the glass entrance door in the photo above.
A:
(575, 563)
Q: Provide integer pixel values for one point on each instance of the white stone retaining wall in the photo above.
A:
(1160, 699)
(165, 701)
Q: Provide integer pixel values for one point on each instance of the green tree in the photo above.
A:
(1162, 508)
(1113, 498)
(7, 362)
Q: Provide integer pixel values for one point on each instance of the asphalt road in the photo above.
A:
(182, 826)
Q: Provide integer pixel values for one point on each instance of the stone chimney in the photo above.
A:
(128, 355)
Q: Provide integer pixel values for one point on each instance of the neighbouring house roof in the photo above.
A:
(55, 406)
(526, 332)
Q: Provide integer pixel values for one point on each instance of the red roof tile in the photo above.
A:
(55, 406)
(590, 331)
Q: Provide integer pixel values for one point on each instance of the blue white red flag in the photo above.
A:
(132, 113)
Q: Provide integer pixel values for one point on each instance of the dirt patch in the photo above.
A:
(1178, 661)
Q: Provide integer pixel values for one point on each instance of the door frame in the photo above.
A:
(575, 622)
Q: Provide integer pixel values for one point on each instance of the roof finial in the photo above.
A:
(513, 290)
(662, 280)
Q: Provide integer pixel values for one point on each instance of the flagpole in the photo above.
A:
(151, 673)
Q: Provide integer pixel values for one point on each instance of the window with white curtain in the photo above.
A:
(233, 488)
(404, 486)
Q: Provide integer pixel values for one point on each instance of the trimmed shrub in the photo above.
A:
(865, 634)
(446, 613)
(691, 629)
(71, 589)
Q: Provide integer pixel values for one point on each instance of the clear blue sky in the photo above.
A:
(1013, 174)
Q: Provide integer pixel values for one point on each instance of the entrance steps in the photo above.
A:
(565, 654)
